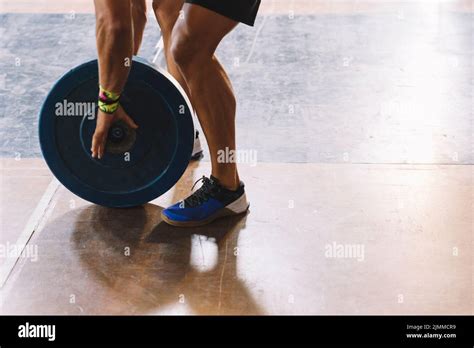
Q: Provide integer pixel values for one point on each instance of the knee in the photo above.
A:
(114, 26)
(188, 50)
(165, 12)
(181, 49)
(157, 8)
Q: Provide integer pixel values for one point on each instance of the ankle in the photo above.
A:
(229, 183)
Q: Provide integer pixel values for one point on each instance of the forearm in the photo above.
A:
(114, 33)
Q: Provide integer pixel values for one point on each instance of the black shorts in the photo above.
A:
(244, 11)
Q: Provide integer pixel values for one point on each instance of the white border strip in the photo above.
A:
(30, 227)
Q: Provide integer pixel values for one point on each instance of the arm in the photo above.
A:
(114, 33)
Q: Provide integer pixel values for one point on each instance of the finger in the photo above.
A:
(101, 149)
(94, 147)
(101, 146)
(96, 140)
(99, 155)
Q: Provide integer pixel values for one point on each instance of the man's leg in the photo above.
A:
(139, 18)
(194, 41)
(167, 13)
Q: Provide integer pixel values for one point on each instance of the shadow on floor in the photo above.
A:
(146, 265)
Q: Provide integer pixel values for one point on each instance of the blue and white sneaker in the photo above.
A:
(211, 201)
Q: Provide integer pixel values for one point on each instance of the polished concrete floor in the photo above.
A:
(360, 114)
(411, 225)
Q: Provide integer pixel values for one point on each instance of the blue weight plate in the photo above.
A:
(138, 166)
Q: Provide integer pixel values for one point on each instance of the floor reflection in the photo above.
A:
(150, 269)
(146, 264)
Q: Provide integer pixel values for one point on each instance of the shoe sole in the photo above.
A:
(239, 207)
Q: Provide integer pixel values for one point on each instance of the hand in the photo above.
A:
(104, 121)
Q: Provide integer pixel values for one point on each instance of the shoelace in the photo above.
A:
(201, 195)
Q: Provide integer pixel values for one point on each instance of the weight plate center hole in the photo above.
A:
(120, 138)
(117, 134)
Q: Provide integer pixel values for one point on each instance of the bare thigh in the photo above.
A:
(200, 30)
